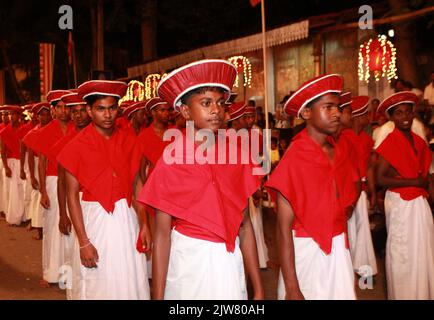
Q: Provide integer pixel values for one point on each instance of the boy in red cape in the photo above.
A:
(42, 111)
(46, 137)
(202, 226)
(10, 141)
(403, 168)
(316, 184)
(103, 161)
(135, 113)
(354, 119)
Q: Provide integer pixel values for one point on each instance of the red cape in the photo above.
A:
(398, 152)
(95, 161)
(11, 140)
(307, 179)
(211, 197)
(151, 145)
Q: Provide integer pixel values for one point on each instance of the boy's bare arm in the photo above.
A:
(285, 247)
(161, 253)
(385, 179)
(250, 255)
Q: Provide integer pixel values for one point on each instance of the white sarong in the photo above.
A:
(321, 276)
(15, 208)
(52, 242)
(121, 273)
(359, 234)
(4, 192)
(258, 229)
(36, 209)
(204, 270)
(27, 192)
(3, 204)
(409, 248)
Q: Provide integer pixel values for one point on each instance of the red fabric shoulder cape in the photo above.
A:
(151, 145)
(210, 196)
(398, 152)
(307, 179)
(94, 161)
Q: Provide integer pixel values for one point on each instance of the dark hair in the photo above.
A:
(311, 103)
(274, 139)
(54, 103)
(91, 99)
(187, 96)
(376, 100)
(392, 110)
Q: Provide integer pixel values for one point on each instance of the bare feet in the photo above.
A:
(44, 284)
(29, 227)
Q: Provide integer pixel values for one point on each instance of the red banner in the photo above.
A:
(46, 64)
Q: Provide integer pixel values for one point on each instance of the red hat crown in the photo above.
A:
(102, 87)
(9, 107)
(56, 95)
(72, 99)
(237, 110)
(359, 105)
(152, 103)
(133, 108)
(397, 99)
(312, 89)
(38, 107)
(203, 73)
(345, 99)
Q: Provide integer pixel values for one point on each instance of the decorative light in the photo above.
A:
(379, 57)
(135, 92)
(243, 65)
(151, 84)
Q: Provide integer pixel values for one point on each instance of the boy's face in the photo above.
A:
(324, 115)
(249, 120)
(402, 116)
(80, 116)
(15, 117)
(104, 112)
(44, 116)
(346, 116)
(139, 116)
(207, 110)
(6, 117)
(62, 112)
(161, 113)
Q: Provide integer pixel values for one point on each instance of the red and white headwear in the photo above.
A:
(102, 87)
(125, 104)
(38, 107)
(154, 102)
(136, 106)
(203, 73)
(72, 99)
(231, 98)
(55, 95)
(237, 110)
(250, 110)
(12, 108)
(359, 105)
(312, 89)
(397, 99)
(345, 99)
(28, 107)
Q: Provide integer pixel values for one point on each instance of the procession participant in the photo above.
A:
(10, 154)
(52, 245)
(42, 111)
(103, 161)
(403, 168)
(202, 223)
(4, 188)
(136, 114)
(316, 184)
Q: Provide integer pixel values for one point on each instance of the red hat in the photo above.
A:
(203, 73)
(312, 89)
(56, 95)
(237, 110)
(125, 104)
(38, 107)
(397, 99)
(28, 107)
(152, 103)
(128, 112)
(102, 87)
(12, 108)
(250, 110)
(359, 105)
(72, 99)
(345, 99)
